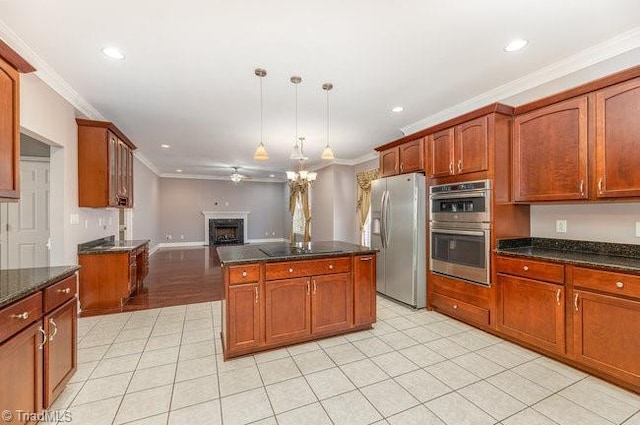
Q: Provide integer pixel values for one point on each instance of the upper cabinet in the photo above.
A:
(405, 158)
(10, 66)
(459, 150)
(550, 153)
(105, 166)
(617, 140)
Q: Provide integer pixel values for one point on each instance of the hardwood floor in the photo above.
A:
(180, 276)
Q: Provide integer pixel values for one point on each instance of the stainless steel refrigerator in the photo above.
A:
(398, 218)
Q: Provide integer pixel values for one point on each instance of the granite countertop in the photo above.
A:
(283, 251)
(601, 255)
(19, 283)
(109, 245)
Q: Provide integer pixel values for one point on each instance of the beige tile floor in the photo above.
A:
(165, 366)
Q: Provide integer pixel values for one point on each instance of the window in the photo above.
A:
(298, 218)
(365, 238)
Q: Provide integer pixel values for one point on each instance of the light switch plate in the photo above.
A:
(561, 226)
(637, 229)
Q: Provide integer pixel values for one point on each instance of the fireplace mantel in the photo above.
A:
(225, 214)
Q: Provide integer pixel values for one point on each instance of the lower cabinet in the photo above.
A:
(606, 334)
(244, 304)
(331, 303)
(288, 309)
(59, 349)
(532, 311)
(364, 289)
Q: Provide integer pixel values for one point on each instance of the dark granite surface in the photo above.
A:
(602, 255)
(19, 283)
(109, 245)
(283, 251)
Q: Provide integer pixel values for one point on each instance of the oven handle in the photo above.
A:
(459, 232)
(476, 194)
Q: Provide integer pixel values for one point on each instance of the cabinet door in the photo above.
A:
(389, 162)
(364, 289)
(129, 185)
(550, 153)
(331, 302)
(617, 140)
(60, 349)
(412, 156)
(288, 309)
(113, 169)
(9, 132)
(471, 146)
(606, 333)
(532, 311)
(244, 313)
(21, 355)
(441, 153)
(133, 273)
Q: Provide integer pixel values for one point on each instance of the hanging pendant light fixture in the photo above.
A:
(327, 153)
(297, 151)
(261, 152)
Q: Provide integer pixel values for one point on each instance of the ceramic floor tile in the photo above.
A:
(495, 402)
(401, 323)
(422, 385)
(344, 353)
(167, 329)
(160, 419)
(102, 388)
(96, 413)
(313, 361)
(125, 348)
(394, 363)
(205, 323)
(543, 376)
(351, 409)
(454, 409)
(474, 340)
(364, 372)
(194, 391)
(278, 370)
(246, 407)
(233, 364)
(143, 404)
(634, 420)
(360, 335)
(422, 355)
(312, 414)
(528, 417)
(478, 365)
(92, 354)
(83, 372)
(66, 396)
(158, 357)
(307, 347)
(380, 328)
(328, 383)
(389, 398)
(398, 340)
(371, 347)
(271, 355)
(444, 329)
(196, 368)
(519, 387)
(133, 334)
(163, 341)
(239, 380)
(500, 354)
(418, 415)
(566, 412)
(196, 350)
(333, 341)
(613, 391)
(152, 377)
(289, 395)
(446, 348)
(588, 396)
(421, 334)
(452, 374)
(208, 413)
(116, 366)
(198, 335)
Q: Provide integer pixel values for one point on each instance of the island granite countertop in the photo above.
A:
(601, 255)
(19, 283)
(109, 245)
(284, 251)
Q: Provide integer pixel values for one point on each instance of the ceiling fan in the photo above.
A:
(237, 177)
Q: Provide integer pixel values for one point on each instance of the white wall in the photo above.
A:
(593, 222)
(344, 204)
(322, 205)
(146, 204)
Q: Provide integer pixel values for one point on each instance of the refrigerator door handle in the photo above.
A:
(386, 218)
(382, 219)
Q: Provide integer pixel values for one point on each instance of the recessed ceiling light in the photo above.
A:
(272, 175)
(113, 53)
(516, 45)
(178, 170)
(164, 145)
(397, 109)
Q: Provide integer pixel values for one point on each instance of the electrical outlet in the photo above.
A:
(181, 236)
(168, 237)
(637, 229)
(561, 226)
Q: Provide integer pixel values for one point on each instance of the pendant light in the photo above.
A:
(327, 153)
(297, 151)
(261, 152)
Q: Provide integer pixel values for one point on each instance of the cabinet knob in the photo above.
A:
(330, 266)
(290, 270)
(21, 316)
(455, 306)
(64, 291)
(620, 285)
(525, 268)
(244, 274)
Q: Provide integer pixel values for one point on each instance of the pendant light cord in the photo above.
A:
(328, 118)
(261, 113)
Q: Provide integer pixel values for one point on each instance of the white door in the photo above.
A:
(28, 220)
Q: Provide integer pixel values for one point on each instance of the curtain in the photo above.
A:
(293, 199)
(304, 194)
(364, 179)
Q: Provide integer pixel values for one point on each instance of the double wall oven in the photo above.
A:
(460, 226)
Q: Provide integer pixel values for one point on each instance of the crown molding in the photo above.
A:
(48, 75)
(349, 162)
(600, 52)
(146, 162)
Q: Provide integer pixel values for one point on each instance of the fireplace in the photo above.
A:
(226, 231)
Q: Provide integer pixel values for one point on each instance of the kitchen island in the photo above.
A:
(278, 294)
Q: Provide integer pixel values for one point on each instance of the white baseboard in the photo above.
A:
(266, 240)
(154, 249)
(179, 244)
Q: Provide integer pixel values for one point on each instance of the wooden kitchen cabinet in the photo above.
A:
(331, 302)
(244, 304)
(364, 289)
(60, 349)
(405, 158)
(105, 165)
(287, 309)
(461, 149)
(617, 140)
(441, 153)
(9, 132)
(550, 153)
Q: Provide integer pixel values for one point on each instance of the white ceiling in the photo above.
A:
(188, 79)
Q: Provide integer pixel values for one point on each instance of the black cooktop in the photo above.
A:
(281, 251)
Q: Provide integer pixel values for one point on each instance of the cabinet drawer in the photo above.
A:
(531, 269)
(60, 292)
(609, 282)
(244, 273)
(276, 271)
(19, 315)
(460, 309)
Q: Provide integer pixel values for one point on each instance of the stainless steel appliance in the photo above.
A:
(460, 229)
(398, 231)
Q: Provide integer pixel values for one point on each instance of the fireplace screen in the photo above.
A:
(226, 231)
